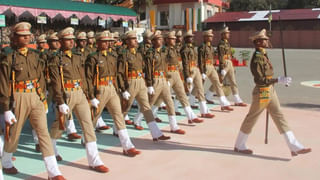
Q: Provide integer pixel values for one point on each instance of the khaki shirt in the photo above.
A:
(84, 53)
(73, 69)
(178, 48)
(107, 68)
(189, 55)
(172, 57)
(143, 48)
(92, 49)
(206, 53)
(26, 68)
(131, 62)
(224, 51)
(156, 61)
(261, 68)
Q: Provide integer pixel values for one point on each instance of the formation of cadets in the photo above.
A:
(98, 72)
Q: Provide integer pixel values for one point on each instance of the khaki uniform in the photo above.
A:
(143, 48)
(174, 76)
(131, 79)
(206, 65)
(264, 95)
(178, 48)
(105, 88)
(92, 48)
(190, 69)
(84, 53)
(29, 98)
(74, 93)
(157, 73)
(225, 63)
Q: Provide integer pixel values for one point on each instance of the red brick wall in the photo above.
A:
(302, 39)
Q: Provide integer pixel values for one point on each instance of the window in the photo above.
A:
(142, 16)
(209, 13)
(164, 18)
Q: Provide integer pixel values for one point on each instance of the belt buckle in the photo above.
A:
(139, 74)
(161, 73)
(76, 84)
(29, 85)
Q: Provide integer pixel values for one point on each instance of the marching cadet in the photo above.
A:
(91, 42)
(175, 79)
(156, 78)
(41, 43)
(146, 44)
(143, 48)
(264, 96)
(192, 74)
(83, 49)
(225, 65)
(207, 69)
(81, 45)
(41, 46)
(22, 96)
(54, 45)
(70, 87)
(116, 37)
(132, 83)
(101, 73)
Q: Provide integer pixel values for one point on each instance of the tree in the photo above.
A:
(252, 5)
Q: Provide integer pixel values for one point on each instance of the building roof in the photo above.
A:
(287, 14)
(215, 2)
(66, 7)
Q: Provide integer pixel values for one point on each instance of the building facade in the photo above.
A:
(181, 14)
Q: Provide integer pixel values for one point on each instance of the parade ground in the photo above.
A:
(205, 152)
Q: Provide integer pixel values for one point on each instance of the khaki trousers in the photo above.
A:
(213, 76)
(162, 90)
(273, 107)
(197, 90)
(138, 90)
(178, 87)
(230, 76)
(78, 104)
(29, 105)
(110, 99)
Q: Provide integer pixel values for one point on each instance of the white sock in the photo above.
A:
(100, 122)
(155, 111)
(241, 141)
(203, 107)
(92, 154)
(189, 113)
(293, 144)
(52, 166)
(6, 160)
(35, 137)
(237, 98)
(209, 95)
(1, 145)
(71, 128)
(154, 129)
(125, 139)
(224, 101)
(173, 123)
(192, 100)
(138, 118)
